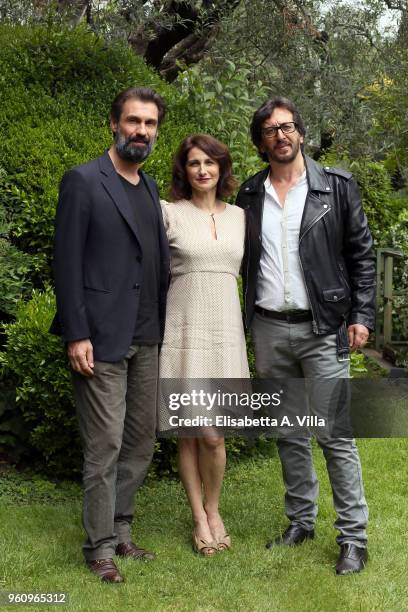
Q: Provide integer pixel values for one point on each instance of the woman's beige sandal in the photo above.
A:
(206, 549)
(224, 543)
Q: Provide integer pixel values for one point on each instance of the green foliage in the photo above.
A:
(387, 99)
(402, 358)
(29, 488)
(357, 364)
(35, 361)
(57, 85)
(374, 181)
(13, 432)
(14, 268)
(56, 88)
(397, 237)
(15, 265)
(379, 205)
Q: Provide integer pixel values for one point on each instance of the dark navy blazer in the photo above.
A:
(98, 269)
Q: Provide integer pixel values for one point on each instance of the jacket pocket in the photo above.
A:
(334, 295)
(96, 290)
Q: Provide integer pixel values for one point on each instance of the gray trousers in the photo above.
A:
(284, 350)
(117, 419)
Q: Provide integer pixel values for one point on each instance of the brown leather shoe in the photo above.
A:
(133, 551)
(106, 570)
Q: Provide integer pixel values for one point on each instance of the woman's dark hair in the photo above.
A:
(216, 150)
(145, 94)
(265, 111)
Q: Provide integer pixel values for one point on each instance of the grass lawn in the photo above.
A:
(41, 535)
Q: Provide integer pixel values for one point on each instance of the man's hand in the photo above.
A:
(80, 355)
(358, 336)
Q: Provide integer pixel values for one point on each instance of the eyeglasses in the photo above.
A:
(286, 128)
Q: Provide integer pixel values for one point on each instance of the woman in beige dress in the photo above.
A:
(204, 336)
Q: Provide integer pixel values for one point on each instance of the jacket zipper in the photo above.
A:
(315, 326)
(314, 223)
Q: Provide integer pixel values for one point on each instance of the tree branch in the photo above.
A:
(191, 35)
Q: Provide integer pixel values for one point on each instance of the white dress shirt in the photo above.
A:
(280, 282)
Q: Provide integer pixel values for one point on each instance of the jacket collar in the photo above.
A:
(107, 168)
(105, 164)
(316, 178)
(115, 189)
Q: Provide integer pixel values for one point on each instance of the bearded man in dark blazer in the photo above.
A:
(111, 267)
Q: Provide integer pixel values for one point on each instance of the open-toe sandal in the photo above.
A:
(206, 549)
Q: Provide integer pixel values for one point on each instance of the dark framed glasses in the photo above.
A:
(287, 128)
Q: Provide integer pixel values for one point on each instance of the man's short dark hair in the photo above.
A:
(145, 94)
(265, 111)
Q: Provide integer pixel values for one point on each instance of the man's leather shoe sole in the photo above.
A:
(352, 559)
(129, 550)
(106, 570)
(293, 536)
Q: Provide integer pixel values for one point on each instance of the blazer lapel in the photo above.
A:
(114, 187)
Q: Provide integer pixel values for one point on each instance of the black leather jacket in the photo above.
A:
(335, 248)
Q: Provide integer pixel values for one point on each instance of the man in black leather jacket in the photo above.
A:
(309, 293)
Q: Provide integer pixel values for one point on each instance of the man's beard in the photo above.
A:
(134, 153)
(272, 156)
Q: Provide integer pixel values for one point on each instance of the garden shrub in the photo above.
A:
(397, 237)
(56, 88)
(35, 363)
(13, 431)
(380, 204)
(14, 268)
(14, 264)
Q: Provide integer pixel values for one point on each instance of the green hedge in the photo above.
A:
(35, 363)
(56, 89)
(380, 204)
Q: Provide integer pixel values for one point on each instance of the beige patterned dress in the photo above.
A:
(204, 336)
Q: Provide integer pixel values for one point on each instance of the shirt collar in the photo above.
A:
(300, 182)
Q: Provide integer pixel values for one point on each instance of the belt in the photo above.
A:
(291, 316)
